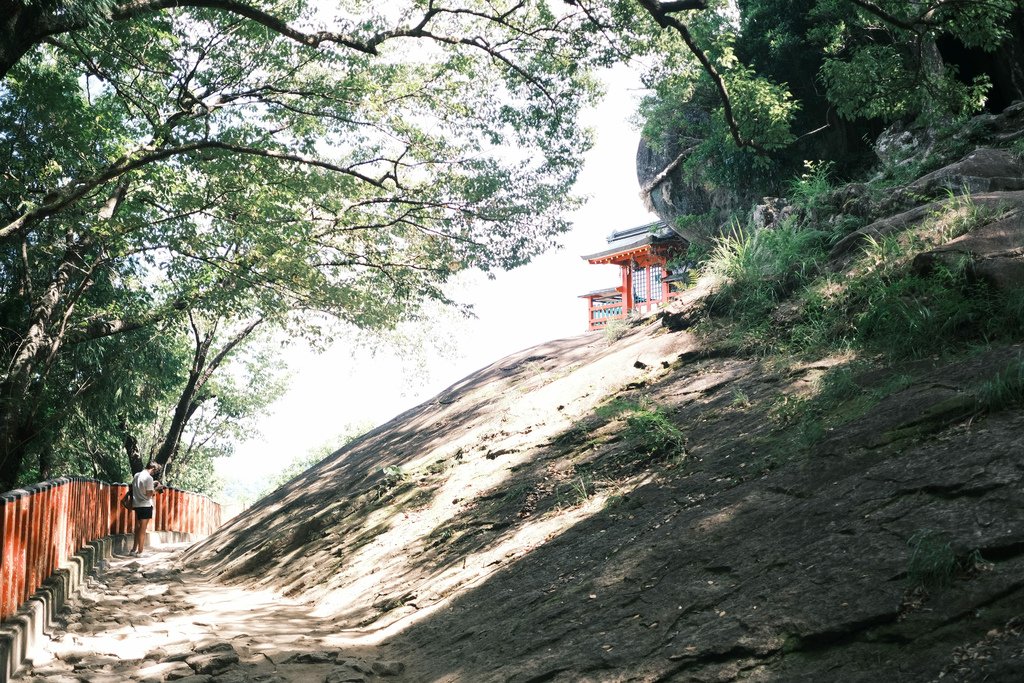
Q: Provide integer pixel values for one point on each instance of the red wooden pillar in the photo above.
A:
(627, 290)
(57, 518)
(6, 552)
(127, 516)
(69, 517)
(46, 533)
(12, 567)
(21, 550)
(105, 509)
(179, 497)
(39, 549)
(81, 509)
(160, 501)
(89, 514)
(31, 543)
(186, 512)
(98, 506)
(115, 509)
(59, 522)
(94, 511)
(122, 514)
(74, 515)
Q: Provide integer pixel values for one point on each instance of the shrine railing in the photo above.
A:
(43, 525)
(600, 314)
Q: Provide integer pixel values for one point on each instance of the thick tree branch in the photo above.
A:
(46, 26)
(78, 189)
(661, 15)
(665, 172)
(228, 348)
(885, 16)
(683, 5)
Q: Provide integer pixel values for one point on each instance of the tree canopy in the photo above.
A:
(169, 160)
(183, 174)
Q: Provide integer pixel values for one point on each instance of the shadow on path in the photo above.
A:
(150, 619)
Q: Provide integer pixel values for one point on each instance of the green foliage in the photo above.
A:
(186, 162)
(1017, 148)
(932, 563)
(888, 68)
(740, 399)
(684, 112)
(653, 436)
(764, 109)
(314, 457)
(1005, 390)
(884, 306)
(200, 476)
(876, 82)
(616, 407)
(763, 266)
(615, 330)
(839, 385)
(790, 66)
(577, 492)
(808, 191)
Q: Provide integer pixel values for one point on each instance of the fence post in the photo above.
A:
(63, 551)
(20, 553)
(5, 555)
(45, 524)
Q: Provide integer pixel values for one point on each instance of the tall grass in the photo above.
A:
(810, 189)
(1005, 390)
(881, 306)
(762, 267)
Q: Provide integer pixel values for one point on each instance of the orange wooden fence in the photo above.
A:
(43, 525)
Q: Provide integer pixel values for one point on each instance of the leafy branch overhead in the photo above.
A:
(178, 159)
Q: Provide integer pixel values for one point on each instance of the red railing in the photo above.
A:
(42, 525)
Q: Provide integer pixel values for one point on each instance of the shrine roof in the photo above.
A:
(602, 292)
(630, 239)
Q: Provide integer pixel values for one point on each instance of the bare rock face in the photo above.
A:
(770, 212)
(897, 144)
(992, 246)
(995, 253)
(983, 170)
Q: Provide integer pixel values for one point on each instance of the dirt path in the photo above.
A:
(150, 619)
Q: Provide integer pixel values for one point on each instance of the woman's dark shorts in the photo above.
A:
(144, 513)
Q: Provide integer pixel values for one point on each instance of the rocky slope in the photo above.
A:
(661, 506)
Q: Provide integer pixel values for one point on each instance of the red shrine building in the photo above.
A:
(642, 254)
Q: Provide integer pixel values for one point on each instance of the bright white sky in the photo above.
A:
(518, 309)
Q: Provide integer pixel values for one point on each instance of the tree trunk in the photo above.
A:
(189, 401)
(21, 384)
(197, 376)
(131, 448)
(18, 22)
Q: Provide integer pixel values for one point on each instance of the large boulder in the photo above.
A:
(671, 195)
(681, 196)
(994, 252)
(983, 170)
